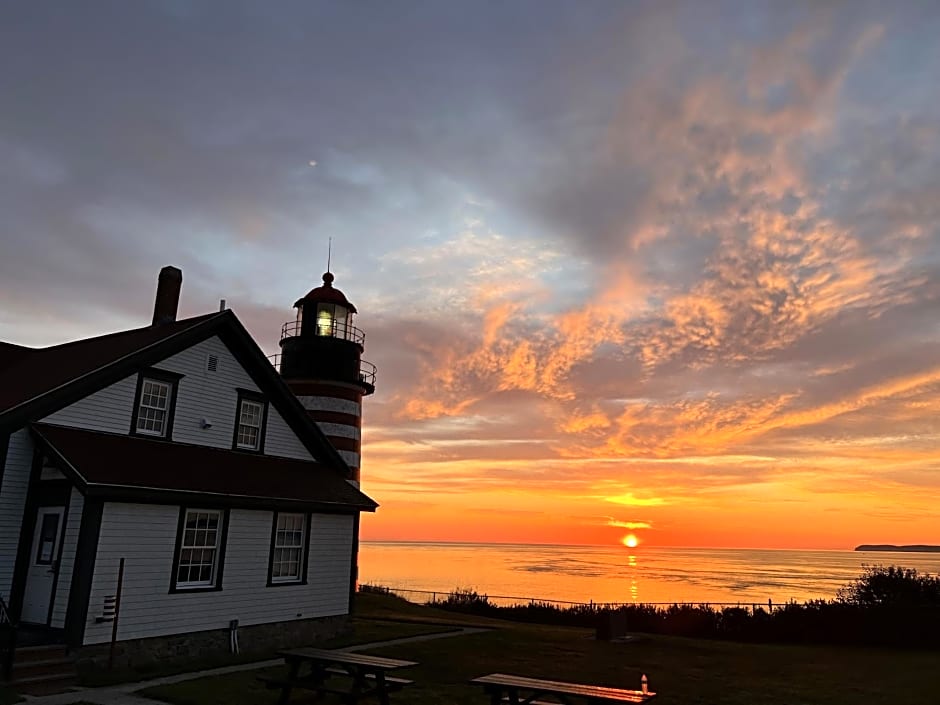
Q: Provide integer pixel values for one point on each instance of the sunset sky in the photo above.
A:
(668, 269)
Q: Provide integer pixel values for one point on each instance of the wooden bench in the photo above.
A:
(392, 685)
(519, 690)
(400, 682)
(366, 674)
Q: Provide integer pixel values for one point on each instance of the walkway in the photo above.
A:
(123, 694)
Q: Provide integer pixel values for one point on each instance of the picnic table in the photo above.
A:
(518, 690)
(367, 673)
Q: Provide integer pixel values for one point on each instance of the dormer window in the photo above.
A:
(249, 425)
(154, 404)
(250, 421)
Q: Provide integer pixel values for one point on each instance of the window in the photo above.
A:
(249, 424)
(288, 549)
(153, 407)
(250, 419)
(199, 549)
(154, 404)
(325, 319)
(48, 533)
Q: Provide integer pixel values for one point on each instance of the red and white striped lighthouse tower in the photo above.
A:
(321, 362)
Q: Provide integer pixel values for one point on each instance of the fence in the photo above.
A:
(422, 597)
(895, 624)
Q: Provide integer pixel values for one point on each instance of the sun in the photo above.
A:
(630, 541)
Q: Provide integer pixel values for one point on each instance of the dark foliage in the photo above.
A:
(892, 585)
(461, 600)
(885, 606)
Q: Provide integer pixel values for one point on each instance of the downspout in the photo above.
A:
(354, 564)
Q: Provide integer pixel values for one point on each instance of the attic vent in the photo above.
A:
(212, 363)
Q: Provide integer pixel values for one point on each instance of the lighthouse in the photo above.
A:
(321, 362)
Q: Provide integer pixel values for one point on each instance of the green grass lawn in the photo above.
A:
(686, 671)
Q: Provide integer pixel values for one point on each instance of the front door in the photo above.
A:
(42, 565)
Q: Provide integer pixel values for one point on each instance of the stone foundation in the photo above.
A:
(257, 638)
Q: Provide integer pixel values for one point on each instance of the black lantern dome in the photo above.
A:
(323, 343)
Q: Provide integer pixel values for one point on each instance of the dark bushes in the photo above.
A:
(461, 600)
(885, 606)
(892, 585)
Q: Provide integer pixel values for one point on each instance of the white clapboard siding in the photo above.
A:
(213, 396)
(67, 561)
(201, 395)
(12, 503)
(108, 409)
(145, 535)
(280, 440)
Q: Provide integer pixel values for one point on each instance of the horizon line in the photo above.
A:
(604, 545)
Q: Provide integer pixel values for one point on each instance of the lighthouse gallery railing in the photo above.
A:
(334, 329)
(366, 369)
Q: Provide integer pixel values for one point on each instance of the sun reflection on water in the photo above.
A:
(634, 590)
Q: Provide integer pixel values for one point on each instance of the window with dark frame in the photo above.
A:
(154, 407)
(199, 549)
(250, 421)
(250, 414)
(288, 548)
(154, 403)
(48, 532)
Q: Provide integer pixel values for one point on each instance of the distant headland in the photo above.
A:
(912, 548)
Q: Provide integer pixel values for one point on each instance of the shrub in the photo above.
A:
(466, 600)
(891, 585)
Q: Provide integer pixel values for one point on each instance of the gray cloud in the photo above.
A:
(615, 230)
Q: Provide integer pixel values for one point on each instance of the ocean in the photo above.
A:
(620, 574)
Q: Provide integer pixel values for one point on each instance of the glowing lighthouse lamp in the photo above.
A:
(322, 364)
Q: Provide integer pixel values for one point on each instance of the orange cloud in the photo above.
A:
(629, 499)
(629, 524)
(590, 422)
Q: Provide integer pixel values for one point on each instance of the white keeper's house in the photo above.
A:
(229, 489)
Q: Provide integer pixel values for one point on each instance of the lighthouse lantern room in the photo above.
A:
(321, 361)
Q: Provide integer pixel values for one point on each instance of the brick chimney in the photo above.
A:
(168, 295)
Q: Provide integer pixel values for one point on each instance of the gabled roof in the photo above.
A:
(39, 371)
(10, 354)
(116, 466)
(47, 379)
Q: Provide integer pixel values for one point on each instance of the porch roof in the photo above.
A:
(131, 468)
